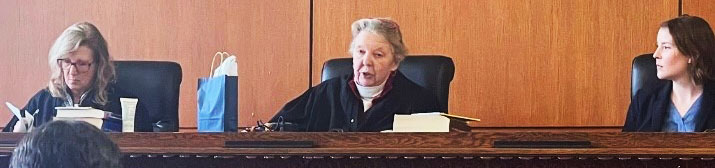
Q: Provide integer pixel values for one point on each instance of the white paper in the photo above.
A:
(228, 67)
(14, 110)
(73, 108)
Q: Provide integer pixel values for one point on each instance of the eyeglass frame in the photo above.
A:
(61, 61)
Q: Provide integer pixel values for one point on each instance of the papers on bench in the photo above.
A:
(431, 122)
(23, 124)
(88, 114)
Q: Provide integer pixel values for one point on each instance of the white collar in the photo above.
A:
(370, 92)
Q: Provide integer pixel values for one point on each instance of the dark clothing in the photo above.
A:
(46, 104)
(335, 105)
(649, 107)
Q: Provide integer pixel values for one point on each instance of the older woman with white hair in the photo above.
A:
(82, 75)
(367, 99)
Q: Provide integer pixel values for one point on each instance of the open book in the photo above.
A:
(87, 114)
(431, 122)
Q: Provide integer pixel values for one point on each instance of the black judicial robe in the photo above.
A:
(334, 105)
(46, 104)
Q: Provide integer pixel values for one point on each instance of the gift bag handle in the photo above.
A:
(211, 71)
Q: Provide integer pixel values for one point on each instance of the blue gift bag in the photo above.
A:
(218, 104)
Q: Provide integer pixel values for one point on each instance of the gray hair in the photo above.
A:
(81, 34)
(385, 27)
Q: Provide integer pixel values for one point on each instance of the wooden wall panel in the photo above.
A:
(270, 38)
(523, 63)
(701, 8)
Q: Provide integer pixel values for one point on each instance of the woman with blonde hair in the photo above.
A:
(81, 74)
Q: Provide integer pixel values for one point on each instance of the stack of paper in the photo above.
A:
(87, 114)
(430, 122)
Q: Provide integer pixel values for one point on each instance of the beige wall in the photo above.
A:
(537, 63)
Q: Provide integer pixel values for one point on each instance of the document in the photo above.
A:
(87, 114)
(25, 123)
(431, 122)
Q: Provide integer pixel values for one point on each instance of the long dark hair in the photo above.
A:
(694, 38)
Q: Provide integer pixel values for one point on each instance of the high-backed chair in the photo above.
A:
(156, 85)
(643, 73)
(433, 72)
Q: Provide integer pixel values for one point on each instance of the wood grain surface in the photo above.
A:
(701, 8)
(521, 63)
(408, 150)
(482, 143)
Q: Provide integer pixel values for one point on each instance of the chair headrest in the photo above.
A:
(156, 84)
(433, 72)
(643, 73)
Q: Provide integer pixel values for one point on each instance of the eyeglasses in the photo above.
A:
(80, 66)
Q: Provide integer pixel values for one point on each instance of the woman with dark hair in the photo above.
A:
(685, 56)
(66, 144)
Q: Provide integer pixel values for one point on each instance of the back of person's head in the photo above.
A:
(66, 144)
(694, 38)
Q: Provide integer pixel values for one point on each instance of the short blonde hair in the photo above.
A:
(385, 27)
(81, 34)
